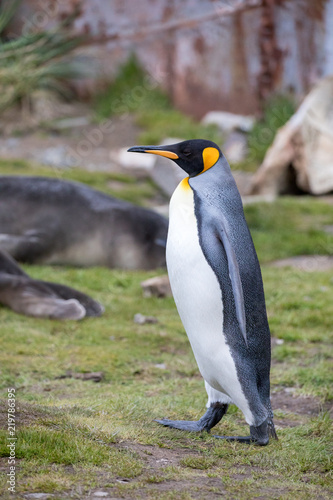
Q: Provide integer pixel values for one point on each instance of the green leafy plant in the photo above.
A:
(277, 112)
(35, 60)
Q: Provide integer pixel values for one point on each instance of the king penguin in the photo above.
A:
(217, 286)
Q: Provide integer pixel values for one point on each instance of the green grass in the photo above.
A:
(77, 436)
(290, 226)
(133, 91)
(277, 112)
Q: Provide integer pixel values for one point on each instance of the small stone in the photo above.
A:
(94, 376)
(290, 390)
(279, 341)
(160, 366)
(159, 286)
(140, 319)
(100, 494)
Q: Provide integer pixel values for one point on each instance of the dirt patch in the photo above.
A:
(297, 407)
(155, 457)
(25, 414)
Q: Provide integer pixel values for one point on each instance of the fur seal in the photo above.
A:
(52, 221)
(42, 299)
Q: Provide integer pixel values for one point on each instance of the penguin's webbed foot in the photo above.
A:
(212, 417)
(258, 435)
(183, 425)
(239, 439)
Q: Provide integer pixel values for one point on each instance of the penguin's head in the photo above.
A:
(194, 156)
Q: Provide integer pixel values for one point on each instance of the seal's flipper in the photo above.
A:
(212, 417)
(26, 247)
(41, 298)
(33, 298)
(9, 266)
(91, 306)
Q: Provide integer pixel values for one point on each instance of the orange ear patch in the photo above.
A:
(210, 157)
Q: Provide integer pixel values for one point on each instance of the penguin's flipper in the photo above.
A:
(212, 417)
(234, 274)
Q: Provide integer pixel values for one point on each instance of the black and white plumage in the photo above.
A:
(217, 286)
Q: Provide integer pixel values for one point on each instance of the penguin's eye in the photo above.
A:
(187, 152)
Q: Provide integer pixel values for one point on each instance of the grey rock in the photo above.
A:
(235, 147)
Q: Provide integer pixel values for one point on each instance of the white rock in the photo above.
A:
(306, 143)
(39, 495)
(229, 121)
(100, 494)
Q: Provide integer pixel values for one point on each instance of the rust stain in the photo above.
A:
(199, 44)
(270, 54)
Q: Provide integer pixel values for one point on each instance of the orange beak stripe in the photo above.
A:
(167, 154)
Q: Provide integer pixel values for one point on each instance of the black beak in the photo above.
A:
(157, 150)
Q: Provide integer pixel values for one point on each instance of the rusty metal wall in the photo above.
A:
(208, 54)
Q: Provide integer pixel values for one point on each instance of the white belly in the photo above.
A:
(198, 298)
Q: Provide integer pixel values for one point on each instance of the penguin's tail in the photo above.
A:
(271, 429)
